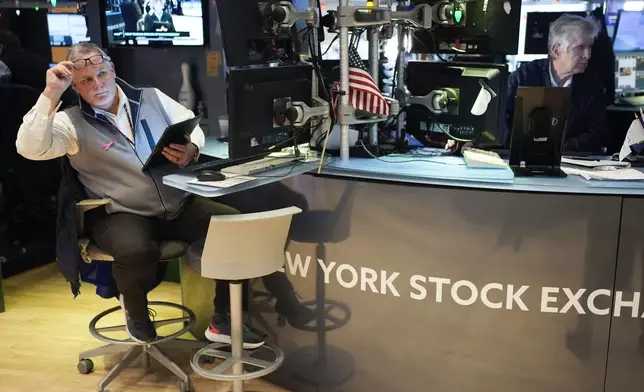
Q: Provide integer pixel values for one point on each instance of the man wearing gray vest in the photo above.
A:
(106, 140)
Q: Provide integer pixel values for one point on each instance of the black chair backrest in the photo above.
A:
(27, 181)
(15, 102)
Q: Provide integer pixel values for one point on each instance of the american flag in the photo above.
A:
(364, 93)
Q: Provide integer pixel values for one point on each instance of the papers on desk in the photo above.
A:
(594, 163)
(601, 169)
(609, 175)
(634, 135)
(230, 181)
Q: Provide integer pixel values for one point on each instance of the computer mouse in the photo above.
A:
(210, 175)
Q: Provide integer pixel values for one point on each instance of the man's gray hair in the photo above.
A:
(570, 29)
(82, 49)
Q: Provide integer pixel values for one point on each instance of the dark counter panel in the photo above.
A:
(626, 349)
(520, 305)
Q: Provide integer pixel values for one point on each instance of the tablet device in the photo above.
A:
(175, 133)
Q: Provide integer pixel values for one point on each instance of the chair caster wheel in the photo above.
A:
(184, 386)
(85, 366)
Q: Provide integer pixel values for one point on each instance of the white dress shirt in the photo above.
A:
(553, 82)
(122, 119)
(43, 136)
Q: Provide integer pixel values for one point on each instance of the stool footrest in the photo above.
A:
(188, 321)
(217, 373)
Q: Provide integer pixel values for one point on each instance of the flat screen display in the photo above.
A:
(154, 22)
(67, 29)
(628, 36)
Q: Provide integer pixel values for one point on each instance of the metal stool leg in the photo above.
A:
(130, 356)
(237, 331)
(145, 360)
(167, 363)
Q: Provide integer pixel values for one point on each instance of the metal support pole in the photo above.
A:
(314, 50)
(400, 71)
(237, 332)
(374, 64)
(344, 88)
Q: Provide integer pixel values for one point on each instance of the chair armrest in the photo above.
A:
(86, 205)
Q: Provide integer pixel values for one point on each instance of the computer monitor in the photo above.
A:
(67, 29)
(538, 28)
(629, 78)
(538, 130)
(491, 27)
(245, 40)
(251, 112)
(155, 22)
(464, 119)
(628, 35)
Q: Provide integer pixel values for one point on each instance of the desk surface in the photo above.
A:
(215, 148)
(180, 180)
(440, 171)
(616, 108)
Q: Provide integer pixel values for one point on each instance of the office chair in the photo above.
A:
(92, 254)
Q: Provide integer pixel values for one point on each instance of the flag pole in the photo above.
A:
(344, 88)
(374, 46)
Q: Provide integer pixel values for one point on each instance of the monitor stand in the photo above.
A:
(538, 171)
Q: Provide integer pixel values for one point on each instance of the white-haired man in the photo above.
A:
(106, 139)
(570, 40)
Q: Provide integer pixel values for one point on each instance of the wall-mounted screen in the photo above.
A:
(154, 22)
(628, 33)
(67, 29)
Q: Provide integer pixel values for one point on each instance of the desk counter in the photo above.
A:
(433, 276)
(427, 275)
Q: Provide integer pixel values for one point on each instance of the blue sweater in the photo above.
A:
(587, 126)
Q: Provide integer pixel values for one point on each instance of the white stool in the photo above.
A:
(241, 247)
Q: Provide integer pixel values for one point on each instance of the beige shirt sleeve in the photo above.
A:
(44, 136)
(177, 113)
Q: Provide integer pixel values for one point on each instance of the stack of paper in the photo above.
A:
(610, 175)
(594, 163)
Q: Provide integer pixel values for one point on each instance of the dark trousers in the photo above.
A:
(133, 241)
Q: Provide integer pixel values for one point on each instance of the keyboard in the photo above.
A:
(261, 165)
(477, 158)
(212, 165)
(219, 164)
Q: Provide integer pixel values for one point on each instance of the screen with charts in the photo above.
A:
(154, 22)
(67, 29)
(628, 34)
(629, 74)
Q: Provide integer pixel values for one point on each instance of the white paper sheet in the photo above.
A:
(610, 175)
(231, 180)
(634, 135)
(581, 163)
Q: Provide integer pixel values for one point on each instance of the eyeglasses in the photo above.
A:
(94, 60)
